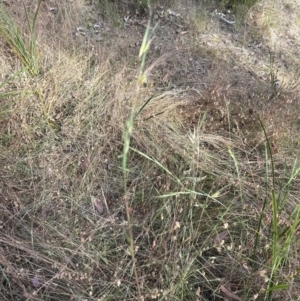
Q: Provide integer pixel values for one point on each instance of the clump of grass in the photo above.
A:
(24, 47)
(281, 238)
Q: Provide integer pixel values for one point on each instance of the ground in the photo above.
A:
(173, 179)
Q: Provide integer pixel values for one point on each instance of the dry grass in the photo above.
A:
(198, 191)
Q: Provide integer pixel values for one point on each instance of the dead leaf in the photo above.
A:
(229, 293)
(98, 204)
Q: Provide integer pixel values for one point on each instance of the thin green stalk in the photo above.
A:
(275, 258)
(127, 135)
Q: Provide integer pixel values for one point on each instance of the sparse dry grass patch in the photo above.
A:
(203, 213)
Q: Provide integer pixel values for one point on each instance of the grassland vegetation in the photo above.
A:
(146, 154)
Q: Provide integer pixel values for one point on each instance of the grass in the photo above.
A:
(23, 47)
(108, 193)
(281, 242)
